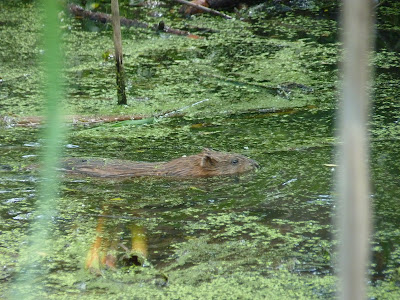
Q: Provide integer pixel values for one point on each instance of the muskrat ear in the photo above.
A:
(209, 151)
(207, 161)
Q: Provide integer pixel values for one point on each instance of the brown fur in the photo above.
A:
(204, 164)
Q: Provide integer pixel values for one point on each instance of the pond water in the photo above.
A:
(265, 89)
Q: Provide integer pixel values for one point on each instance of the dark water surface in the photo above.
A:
(267, 91)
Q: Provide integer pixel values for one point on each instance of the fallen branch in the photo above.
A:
(36, 121)
(205, 9)
(78, 11)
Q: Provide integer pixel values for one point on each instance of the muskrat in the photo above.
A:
(207, 163)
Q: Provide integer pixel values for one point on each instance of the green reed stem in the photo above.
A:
(34, 258)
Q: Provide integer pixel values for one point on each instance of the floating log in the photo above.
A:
(78, 11)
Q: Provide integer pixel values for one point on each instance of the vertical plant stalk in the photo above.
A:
(353, 183)
(34, 258)
(116, 25)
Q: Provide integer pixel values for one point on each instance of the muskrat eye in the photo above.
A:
(234, 161)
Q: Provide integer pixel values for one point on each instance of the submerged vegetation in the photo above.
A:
(263, 85)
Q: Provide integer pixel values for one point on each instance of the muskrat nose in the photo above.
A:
(255, 164)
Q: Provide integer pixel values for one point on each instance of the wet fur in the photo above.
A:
(204, 164)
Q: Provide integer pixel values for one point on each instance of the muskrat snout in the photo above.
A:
(255, 164)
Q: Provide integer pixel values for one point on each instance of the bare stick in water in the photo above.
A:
(116, 25)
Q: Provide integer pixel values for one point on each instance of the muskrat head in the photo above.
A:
(223, 163)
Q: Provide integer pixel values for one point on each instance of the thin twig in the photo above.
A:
(205, 9)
